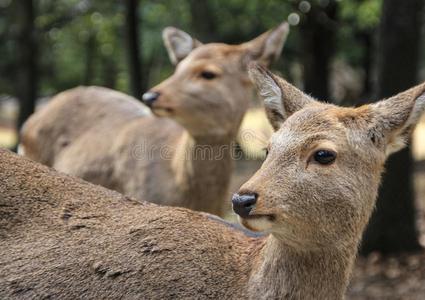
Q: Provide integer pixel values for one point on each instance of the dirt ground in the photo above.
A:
(390, 278)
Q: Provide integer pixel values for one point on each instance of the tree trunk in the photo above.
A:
(392, 227)
(133, 48)
(318, 30)
(203, 22)
(90, 55)
(27, 67)
(109, 73)
(366, 38)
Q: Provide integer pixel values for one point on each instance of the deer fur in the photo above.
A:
(173, 156)
(65, 238)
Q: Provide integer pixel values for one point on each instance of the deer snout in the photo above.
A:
(243, 204)
(149, 98)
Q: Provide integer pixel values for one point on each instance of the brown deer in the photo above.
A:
(108, 138)
(64, 238)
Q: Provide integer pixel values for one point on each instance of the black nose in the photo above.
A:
(243, 204)
(149, 98)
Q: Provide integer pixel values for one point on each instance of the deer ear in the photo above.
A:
(178, 43)
(281, 99)
(267, 47)
(394, 119)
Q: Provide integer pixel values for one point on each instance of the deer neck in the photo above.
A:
(203, 167)
(321, 274)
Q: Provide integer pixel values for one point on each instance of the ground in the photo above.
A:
(396, 277)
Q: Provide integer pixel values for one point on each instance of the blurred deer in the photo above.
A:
(311, 199)
(181, 155)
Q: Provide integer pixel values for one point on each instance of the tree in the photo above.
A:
(359, 19)
(392, 227)
(27, 63)
(90, 53)
(203, 21)
(318, 31)
(133, 47)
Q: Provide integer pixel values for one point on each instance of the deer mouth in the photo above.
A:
(257, 222)
(269, 217)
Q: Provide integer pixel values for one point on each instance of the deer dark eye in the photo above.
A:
(266, 152)
(208, 75)
(324, 157)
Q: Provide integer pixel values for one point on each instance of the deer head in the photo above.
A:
(318, 184)
(208, 94)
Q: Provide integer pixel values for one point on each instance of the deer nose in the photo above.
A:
(149, 98)
(243, 204)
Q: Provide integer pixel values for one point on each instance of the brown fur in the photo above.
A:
(64, 238)
(107, 138)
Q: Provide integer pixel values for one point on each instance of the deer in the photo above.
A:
(169, 157)
(303, 214)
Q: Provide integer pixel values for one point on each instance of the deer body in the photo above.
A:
(169, 157)
(123, 150)
(311, 200)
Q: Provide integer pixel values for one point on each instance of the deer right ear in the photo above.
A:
(281, 99)
(178, 43)
(267, 47)
(395, 118)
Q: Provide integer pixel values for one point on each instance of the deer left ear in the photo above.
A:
(178, 43)
(395, 118)
(267, 47)
(281, 99)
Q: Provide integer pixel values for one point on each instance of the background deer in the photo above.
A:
(64, 238)
(108, 138)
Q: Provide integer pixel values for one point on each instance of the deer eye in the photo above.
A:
(324, 157)
(208, 75)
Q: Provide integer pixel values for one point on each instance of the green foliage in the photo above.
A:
(82, 41)
(358, 18)
(363, 14)
(79, 41)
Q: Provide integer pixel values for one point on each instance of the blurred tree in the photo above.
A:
(318, 34)
(365, 37)
(203, 20)
(392, 227)
(27, 63)
(82, 40)
(359, 19)
(90, 53)
(7, 47)
(133, 48)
